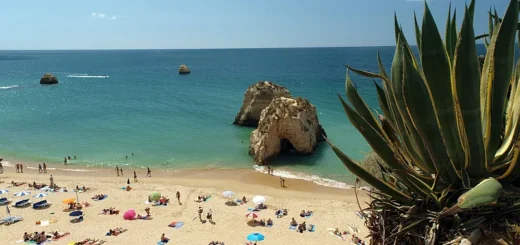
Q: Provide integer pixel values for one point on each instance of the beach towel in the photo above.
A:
(269, 226)
(176, 225)
(313, 228)
(308, 216)
(292, 227)
(161, 243)
(207, 199)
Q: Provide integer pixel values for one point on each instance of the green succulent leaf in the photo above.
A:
(486, 192)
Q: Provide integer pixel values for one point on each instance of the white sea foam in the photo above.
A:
(314, 178)
(9, 87)
(86, 76)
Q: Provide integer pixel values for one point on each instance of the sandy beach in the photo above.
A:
(332, 207)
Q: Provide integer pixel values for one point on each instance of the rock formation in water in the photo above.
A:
(184, 69)
(286, 124)
(256, 98)
(48, 79)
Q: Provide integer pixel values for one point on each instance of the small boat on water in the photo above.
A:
(184, 69)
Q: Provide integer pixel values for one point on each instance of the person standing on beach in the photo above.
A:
(52, 181)
(128, 181)
(178, 194)
(65, 160)
(117, 170)
(210, 215)
(149, 174)
(121, 169)
(18, 168)
(40, 168)
(1, 167)
(200, 213)
(135, 177)
(282, 182)
(21, 168)
(44, 168)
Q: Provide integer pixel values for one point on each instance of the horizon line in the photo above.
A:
(107, 49)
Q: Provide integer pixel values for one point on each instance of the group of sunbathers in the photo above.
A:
(216, 243)
(301, 227)
(262, 222)
(202, 198)
(116, 231)
(75, 205)
(280, 213)
(162, 201)
(42, 237)
(98, 197)
(304, 214)
(110, 211)
(89, 241)
(260, 206)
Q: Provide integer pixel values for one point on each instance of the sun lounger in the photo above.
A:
(4, 201)
(41, 204)
(22, 203)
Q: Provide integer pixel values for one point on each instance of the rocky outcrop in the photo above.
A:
(286, 124)
(48, 79)
(184, 69)
(256, 98)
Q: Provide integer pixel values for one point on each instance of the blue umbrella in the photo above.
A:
(40, 195)
(22, 193)
(255, 237)
(76, 214)
(3, 192)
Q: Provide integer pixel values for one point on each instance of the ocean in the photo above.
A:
(112, 103)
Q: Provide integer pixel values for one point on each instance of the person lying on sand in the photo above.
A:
(16, 184)
(308, 213)
(110, 211)
(56, 235)
(128, 188)
(98, 197)
(203, 198)
(86, 204)
(163, 200)
(261, 206)
(117, 231)
(293, 222)
(164, 238)
(302, 214)
(285, 212)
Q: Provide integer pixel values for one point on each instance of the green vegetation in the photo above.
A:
(449, 134)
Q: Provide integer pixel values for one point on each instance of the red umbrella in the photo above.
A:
(129, 215)
(251, 215)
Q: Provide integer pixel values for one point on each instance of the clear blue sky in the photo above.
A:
(161, 24)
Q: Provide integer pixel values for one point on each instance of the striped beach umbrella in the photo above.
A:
(251, 215)
(40, 195)
(22, 193)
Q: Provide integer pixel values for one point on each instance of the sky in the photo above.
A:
(201, 24)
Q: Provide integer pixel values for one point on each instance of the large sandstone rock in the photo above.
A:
(286, 124)
(48, 79)
(184, 69)
(256, 98)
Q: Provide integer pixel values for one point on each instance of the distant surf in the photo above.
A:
(86, 76)
(316, 179)
(9, 87)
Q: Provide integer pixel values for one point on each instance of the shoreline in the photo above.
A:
(168, 170)
(243, 179)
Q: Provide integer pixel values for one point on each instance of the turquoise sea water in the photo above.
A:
(169, 120)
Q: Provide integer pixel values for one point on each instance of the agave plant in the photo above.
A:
(448, 134)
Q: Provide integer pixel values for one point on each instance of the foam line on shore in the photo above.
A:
(313, 178)
(86, 76)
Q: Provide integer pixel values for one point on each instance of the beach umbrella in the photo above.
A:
(76, 214)
(228, 194)
(258, 200)
(22, 193)
(155, 196)
(251, 215)
(129, 215)
(69, 200)
(40, 195)
(3, 192)
(255, 237)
